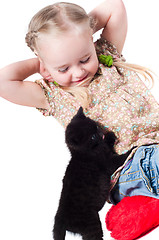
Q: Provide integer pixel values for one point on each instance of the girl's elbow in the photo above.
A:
(3, 89)
(1, 85)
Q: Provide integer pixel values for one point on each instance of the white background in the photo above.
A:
(33, 155)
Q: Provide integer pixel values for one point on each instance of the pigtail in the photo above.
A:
(81, 93)
(108, 61)
(145, 72)
(30, 40)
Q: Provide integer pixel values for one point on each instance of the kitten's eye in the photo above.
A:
(93, 137)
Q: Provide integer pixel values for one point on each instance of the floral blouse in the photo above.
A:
(120, 102)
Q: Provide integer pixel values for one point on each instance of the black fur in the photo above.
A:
(86, 183)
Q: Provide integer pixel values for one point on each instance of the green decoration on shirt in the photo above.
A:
(106, 60)
(56, 83)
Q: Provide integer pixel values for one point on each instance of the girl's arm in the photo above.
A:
(111, 16)
(14, 89)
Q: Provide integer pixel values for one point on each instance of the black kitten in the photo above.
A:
(86, 183)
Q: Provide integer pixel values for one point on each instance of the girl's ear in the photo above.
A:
(44, 72)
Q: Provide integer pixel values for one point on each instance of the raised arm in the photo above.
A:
(111, 16)
(14, 89)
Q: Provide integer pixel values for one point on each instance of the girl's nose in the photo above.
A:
(78, 72)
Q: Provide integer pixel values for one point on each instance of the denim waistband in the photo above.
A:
(140, 176)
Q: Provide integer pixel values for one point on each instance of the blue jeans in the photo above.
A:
(140, 176)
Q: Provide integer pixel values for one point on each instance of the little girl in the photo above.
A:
(61, 37)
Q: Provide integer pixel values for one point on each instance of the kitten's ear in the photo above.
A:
(80, 113)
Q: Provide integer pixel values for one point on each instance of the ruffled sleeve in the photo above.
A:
(63, 106)
(107, 48)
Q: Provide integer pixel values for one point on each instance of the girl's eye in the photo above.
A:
(63, 70)
(85, 60)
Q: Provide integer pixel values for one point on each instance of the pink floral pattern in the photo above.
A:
(120, 102)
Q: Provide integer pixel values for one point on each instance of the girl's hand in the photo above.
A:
(44, 73)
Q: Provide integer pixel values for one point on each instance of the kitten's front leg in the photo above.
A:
(118, 160)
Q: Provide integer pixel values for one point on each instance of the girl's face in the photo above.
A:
(69, 58)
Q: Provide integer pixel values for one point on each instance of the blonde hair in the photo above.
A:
(59, 18)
